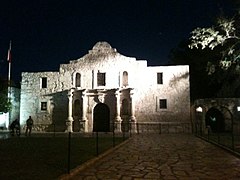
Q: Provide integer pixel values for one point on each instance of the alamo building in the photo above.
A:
(105, 91)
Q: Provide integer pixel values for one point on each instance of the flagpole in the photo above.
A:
(9, 69)
(9, 62)
(9, 81)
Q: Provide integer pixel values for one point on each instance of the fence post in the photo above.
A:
(160, 128)
(54, 130)
(69, 151)
(208, 132)
(233, 144)
(97, 143)
(113, 126)
(113, 138)
(137, 128)
(130, 128)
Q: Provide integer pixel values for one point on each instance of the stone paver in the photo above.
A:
(166, 156)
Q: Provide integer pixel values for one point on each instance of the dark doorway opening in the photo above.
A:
(101, 118)
(215, 120)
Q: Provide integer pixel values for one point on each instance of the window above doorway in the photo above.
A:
(101, 79)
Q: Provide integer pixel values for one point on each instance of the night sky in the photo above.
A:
(46, 33)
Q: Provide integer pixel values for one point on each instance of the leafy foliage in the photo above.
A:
(224, 34)
(221, 83)
(5, 104)
(223, 42)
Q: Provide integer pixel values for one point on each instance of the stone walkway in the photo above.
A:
(170, 156)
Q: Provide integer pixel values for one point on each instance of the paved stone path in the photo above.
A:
(170, 156)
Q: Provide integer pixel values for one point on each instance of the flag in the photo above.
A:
(9, 58)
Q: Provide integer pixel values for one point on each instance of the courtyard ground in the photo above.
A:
(162, 157)
(45, 156)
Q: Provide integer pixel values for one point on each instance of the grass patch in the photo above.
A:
(47, 157)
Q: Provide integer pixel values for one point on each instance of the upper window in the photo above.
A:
(101, 79)
(78, 80)
(163, 104)
(44, 82)
(160, 78)
(125, 78)
(43, 106)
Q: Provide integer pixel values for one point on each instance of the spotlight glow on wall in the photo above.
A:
(238, 108)
(4, 120)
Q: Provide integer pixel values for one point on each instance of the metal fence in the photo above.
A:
(229, 140)
(69, 149)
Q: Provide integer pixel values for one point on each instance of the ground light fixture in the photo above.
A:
(199, 109)
(238, 108)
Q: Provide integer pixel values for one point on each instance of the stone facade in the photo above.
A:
(103, 81)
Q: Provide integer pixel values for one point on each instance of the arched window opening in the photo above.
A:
(78, 80)
(125, 78)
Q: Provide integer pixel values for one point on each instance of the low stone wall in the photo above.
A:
(164, 127)
(143, 127)
(41, 128)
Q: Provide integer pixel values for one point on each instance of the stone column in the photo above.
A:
(69, 120)
(118, 119)
(132, 118)
(94, 79)
(84, 120)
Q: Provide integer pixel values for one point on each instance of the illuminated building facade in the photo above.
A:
(104, 83)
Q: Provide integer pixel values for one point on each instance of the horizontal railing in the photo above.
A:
(229, 140)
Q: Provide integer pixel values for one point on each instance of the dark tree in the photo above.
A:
(203, 84)
(5, 104)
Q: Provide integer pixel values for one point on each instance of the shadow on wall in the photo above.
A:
(59, 112)
(178, 78)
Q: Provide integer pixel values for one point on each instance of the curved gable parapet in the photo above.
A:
(103, 47)
(102, 52)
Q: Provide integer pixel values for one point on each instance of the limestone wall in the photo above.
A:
(32, 95)
(175, 89)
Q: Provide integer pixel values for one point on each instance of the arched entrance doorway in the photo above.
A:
(215, 120)
(101, 118)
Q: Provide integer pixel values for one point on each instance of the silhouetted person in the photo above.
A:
(29, 123)
(15, 125)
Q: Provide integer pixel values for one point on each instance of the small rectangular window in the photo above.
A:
(163, 104)
(43, 106)
(44, 82)
(159, 78)
(101, 79)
